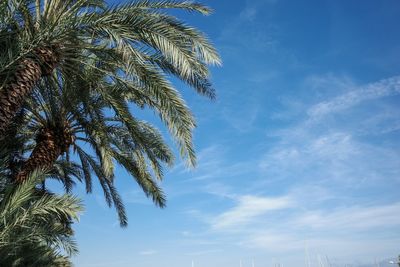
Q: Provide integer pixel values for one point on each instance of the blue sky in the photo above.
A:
(298, 158)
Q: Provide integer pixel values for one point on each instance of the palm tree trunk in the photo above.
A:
(50, 144)
(45, 153)
(22, 81)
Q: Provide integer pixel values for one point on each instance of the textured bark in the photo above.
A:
(21, 83)
(50, 144)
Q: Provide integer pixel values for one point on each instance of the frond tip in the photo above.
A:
(185, 5)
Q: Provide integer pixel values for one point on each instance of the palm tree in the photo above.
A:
(111, 57)
(35, 229)
(63, 118)
(136, 43)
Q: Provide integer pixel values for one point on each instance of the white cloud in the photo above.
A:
(339, 232)
(309, 156)
(385, 87)
(247, 209)
(333, 187)
(335, 233)
(347, 248)
(274, 241)
(383, 122)
(329, 143)
(148, 252)
(355, 218)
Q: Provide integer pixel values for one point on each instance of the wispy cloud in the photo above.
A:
(329, 143)
(321, 182)
(346, 248)
(357, 218)
(148, 252)
(336, 233)
(330, 158)
(247, 209)
(383, 88)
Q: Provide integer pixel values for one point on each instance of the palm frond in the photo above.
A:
(35, 228)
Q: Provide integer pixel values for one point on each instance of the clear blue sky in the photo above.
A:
(300, 154)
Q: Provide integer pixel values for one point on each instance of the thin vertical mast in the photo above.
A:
(307, 256)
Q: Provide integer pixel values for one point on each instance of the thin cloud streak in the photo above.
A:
(148, 252)
(247, 209)
(357, 218)
(383, 88)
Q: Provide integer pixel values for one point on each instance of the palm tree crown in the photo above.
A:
(78, 64)
(66, 120)
(134, 44)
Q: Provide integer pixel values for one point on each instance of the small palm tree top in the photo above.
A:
(35, 229)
